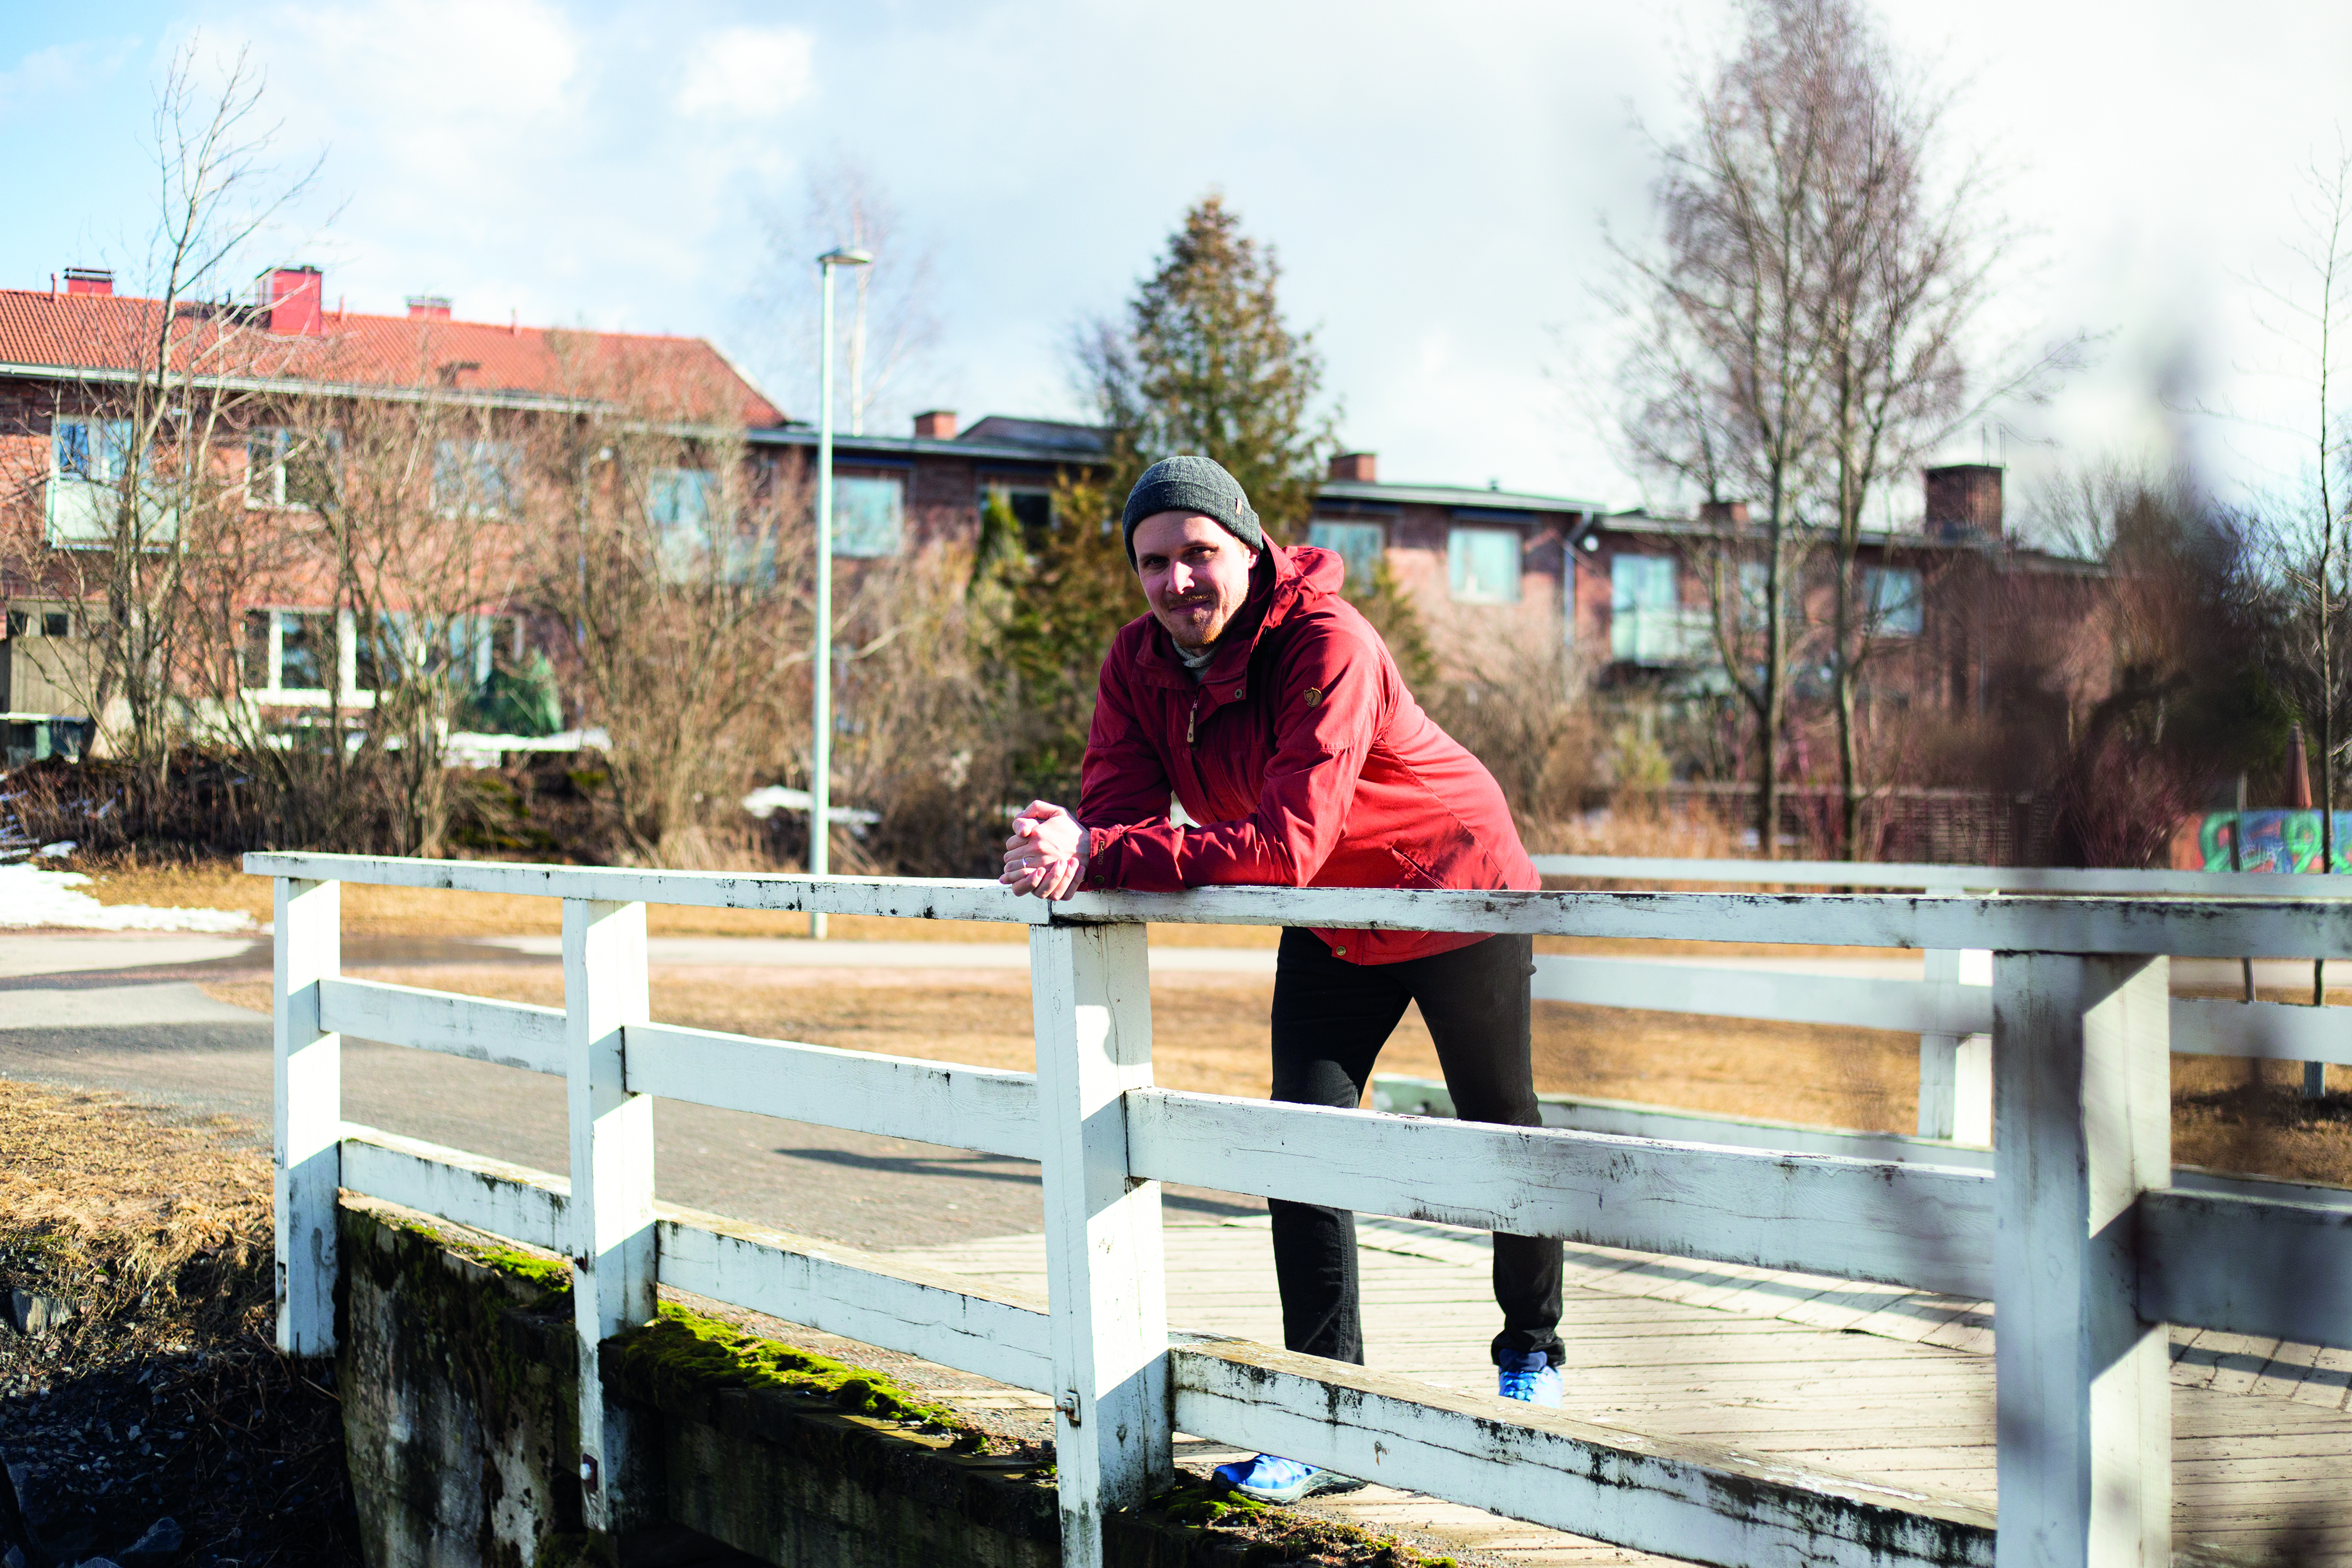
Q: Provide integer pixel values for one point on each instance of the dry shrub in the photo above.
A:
(926, 739)
(1511, 696)
(1639, 823)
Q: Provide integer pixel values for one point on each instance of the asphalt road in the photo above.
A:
(148, 1032)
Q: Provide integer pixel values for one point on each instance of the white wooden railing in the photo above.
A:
(1949, 1008)
(2075, 1232)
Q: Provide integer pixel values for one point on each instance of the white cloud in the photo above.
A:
(52, 72)
(748, 71)
(1432, 178)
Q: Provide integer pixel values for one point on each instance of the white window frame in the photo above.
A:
(471, 461)
(1903, 621)
(1459, 539)
(849, 547)
(1324, 532)
(280, 441)
(1651, 633)
(80, 508)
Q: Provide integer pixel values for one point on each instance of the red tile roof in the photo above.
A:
(65, 334)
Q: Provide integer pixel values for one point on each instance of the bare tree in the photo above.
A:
(1903, 271)
(1722, 383)
(140, 459)
(673, 572)
(889, 330)
(2311, 523)
(423, 526)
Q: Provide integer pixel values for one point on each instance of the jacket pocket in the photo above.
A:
(1411, 873)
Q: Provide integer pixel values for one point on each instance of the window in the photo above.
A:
(89, 459)
(1646, 625)
(292, 467)
(868, 516)
(1755, 594)
(1031, 508)
(1360, 544)
(679, 504)
(55, 624)
(1891, 594)
(400, 647)
(1483, 565)
(92, 449)
(290, 650)
(680, 500)
(476, 475)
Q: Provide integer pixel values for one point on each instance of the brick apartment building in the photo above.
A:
(75, 360)
(1622, 590)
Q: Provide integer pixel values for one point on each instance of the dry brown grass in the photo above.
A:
(159, 1237)
(1639, 824)
(103, 1190)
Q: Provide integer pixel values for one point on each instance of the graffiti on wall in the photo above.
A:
(2273, 841)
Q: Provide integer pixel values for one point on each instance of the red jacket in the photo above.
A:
(1302, 753)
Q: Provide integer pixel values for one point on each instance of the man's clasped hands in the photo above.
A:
(1046, 854)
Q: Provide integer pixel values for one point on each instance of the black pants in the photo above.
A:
(1330, 1020)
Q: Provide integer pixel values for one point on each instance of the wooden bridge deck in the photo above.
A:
(1890, 1386)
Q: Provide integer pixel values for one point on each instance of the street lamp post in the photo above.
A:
(821, 719)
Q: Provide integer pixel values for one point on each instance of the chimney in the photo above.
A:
(291, 299)
(88, 280)
(1361, 467)
(428, 307)
(1723, 514)
(1964, 501)
(937, 425)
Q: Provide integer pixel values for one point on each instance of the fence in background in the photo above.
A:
(2075, 1231)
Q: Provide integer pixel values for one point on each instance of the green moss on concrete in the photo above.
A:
(545, 1278)
(683, 1352)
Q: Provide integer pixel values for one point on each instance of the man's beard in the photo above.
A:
(1213, 627)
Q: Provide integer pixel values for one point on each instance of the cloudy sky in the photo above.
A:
(1436, 179)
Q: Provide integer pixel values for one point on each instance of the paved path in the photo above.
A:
(164, 1042)
(1892, 1385)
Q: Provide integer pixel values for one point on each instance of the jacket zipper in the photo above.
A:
(1189, 720)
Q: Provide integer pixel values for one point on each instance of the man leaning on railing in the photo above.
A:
(1259, 698)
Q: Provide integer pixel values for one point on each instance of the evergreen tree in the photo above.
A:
(1201, 362)
(1204, 363)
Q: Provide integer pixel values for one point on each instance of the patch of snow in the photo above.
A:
(59, 850)
(31, 896)
(767, 801)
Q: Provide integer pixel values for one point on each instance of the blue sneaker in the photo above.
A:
(1270, 1477)
(1528, 1375)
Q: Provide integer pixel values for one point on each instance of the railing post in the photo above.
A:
(612, 1261)
(1090, 989)
(2081, 1106)
(307, 1126)
(1955, 1070)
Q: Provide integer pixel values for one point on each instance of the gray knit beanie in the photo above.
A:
(1189, 484)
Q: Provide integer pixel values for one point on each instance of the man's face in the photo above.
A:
(1195, 575)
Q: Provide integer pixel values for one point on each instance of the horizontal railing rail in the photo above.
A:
(2075, 1231)
(2063, 879)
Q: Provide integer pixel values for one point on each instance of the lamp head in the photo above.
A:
(845, 255)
